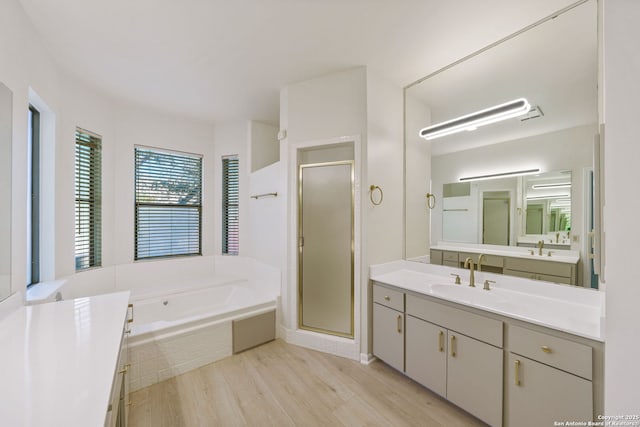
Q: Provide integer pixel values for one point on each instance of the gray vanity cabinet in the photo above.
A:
(456, 354)
(538, 395)
(548, 379)
(474, 377)
(426, 358)
(388, 326)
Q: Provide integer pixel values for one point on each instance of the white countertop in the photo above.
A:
(557, 255)
(58, 361)
(566, 308)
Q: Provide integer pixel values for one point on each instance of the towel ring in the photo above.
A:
(372, 189)
(431, 200)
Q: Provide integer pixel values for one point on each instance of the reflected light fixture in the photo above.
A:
(548, 196)
(499, 175)
(558, 185)
(472, 121)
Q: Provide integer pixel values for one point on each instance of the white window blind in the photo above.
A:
(230, 206)
(88, 200)
(168, 203)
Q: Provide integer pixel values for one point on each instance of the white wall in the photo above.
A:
(29, 72)
(265, 147)
(335, 108)
(622, 205)
(384, 168)
(265, 227)
(383, 224)
(327, 109)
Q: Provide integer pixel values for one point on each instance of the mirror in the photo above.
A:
(553, 65)
(6, 114)
(509, 211)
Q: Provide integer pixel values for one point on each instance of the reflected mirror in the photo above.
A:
(6, 113)
(516, 182)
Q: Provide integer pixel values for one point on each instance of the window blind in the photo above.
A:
(88, 240)
(168, 204)
(230, 206)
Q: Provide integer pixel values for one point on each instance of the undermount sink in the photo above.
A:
(469, 295)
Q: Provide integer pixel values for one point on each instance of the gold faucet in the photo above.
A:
(468, 263)
(557, 237)
(480, 259)
(540, 246)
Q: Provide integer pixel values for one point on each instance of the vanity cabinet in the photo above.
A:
(388, 326)
(536, 269)
(501, 370)
(118, 409)
(548, 379)
(550, 271)
(456, 354)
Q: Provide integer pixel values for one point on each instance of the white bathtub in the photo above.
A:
(177, 332)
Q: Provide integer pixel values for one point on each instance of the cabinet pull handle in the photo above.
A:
(440, 341)
(131, 307)
(517, 370)
(387, 298)
(453, 346)
(546, 349)
(126, 369)
(399, 324)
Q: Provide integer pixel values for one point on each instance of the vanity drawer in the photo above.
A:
(388, 297)
(491, 260)
(472, 325)
(449, 256)
(537, 266)
(557, 352)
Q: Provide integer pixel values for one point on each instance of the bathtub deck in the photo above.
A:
(284, 385)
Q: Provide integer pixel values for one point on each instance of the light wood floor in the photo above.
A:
(279, 384)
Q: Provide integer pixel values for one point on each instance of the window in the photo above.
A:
(33, 272)
(230, 206)
(168, 203)
(88, 200)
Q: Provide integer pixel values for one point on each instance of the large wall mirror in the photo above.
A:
(6, 114)
(518, 181)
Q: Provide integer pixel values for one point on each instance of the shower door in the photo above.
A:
(325, 247)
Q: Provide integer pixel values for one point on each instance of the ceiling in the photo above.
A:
(218, 60)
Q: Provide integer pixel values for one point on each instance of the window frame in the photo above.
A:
(226, 205)
(93, 141)
(137, 204)
(34, 193)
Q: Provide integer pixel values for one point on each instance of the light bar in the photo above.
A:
(548, 196)
(559, 185)
(508, 110)
(499, 175)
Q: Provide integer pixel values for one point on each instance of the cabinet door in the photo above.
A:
(426, 354)
(544, 394)
(474, 377)
(388, 336)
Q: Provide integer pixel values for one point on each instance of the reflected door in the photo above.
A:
(495, 221)
(326, 221)
(534, 219)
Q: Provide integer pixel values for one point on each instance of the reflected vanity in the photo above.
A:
(515, 188)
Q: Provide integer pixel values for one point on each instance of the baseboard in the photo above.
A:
(367, 358)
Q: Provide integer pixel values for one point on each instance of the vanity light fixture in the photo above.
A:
(558, 185)
(499, 175)
(472, 121)
(549, 196)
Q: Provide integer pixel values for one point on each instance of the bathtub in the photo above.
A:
(176, 332)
